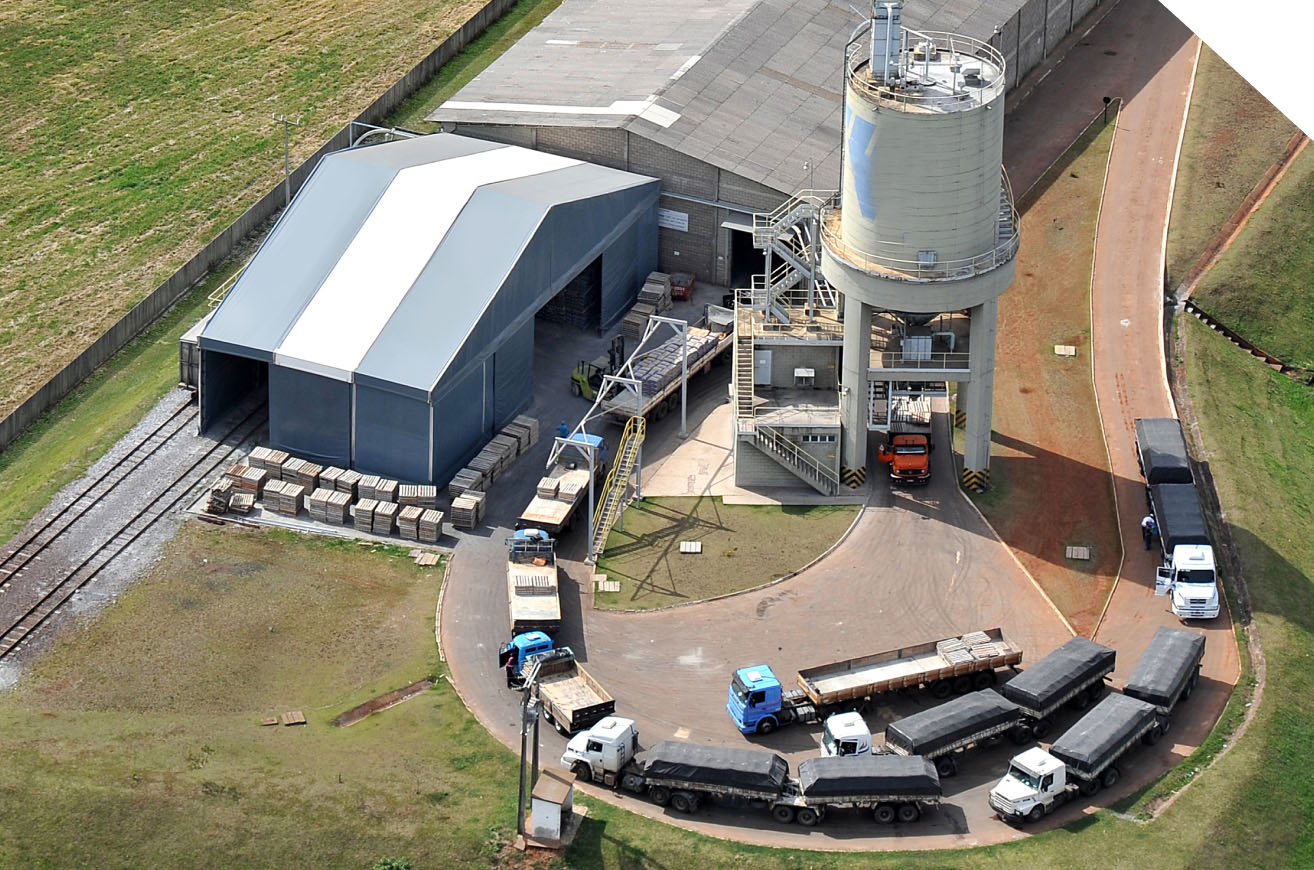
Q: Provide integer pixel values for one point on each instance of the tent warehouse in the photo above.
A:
(391, 309)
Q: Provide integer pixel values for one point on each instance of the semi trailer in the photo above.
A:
(1082, 761)
(759, 704)
(661, 369)
(1073, 673)
(1188, 573)
(941, 733)
(560, 494)
(533, 599)
(1167, 671)
(1161, 451)
(685, 776)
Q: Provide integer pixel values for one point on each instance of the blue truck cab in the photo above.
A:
(754, 700)
(513, 655)
(594, 441)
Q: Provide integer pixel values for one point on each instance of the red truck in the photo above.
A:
(909, 456)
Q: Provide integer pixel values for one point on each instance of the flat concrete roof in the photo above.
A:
(753, 88)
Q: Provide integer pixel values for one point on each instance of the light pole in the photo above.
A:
(287, 171)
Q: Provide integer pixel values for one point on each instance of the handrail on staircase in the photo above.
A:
(635, 430)
(800, 457)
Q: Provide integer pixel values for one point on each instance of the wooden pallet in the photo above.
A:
(431, 526)
(408, 522)
(364, 515)
(385, 516)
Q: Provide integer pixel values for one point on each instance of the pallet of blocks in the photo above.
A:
(633, 325)
(348, 481)
(431, 526)
(328, 478)
(423, 496)
(408, 522)
(468, 510)
(508, 447)
(364, 516)
(519, 434)
(385, 516)
(657, 294)
(328, 506)
(270, 460)
(302, 472)
(530, 423)
(386, 490)
(465, 479)
(486, 464)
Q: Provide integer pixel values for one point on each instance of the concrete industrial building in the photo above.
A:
(390, 313)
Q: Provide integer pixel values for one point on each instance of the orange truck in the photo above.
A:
(909, 456)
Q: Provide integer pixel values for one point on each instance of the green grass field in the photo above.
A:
(1233, 135)
(743, 546)
(136, 130)
(1261, 285)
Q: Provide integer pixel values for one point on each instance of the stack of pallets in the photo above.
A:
(633, 325)
(431, 526)
(241, 503)
(302, 472)
(468, 510)
(547, 487)
(247, 479)
(328, 506)
(408, 522)
(411, 495)
(526, 422)
(348, 481)
(365, 488)
(284, 497)
(386, 490)
(385, 515)
(954, 651)
(465, 479)
(220, 495)
(486, 464)
(328, 478)
(656, 293)
(270, 460)
(569, 490)
(364, 517)
(521, 435)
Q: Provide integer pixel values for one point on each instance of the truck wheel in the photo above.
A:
(1110, 777)
(1081, 701)
(946, 765)
(660, 795)
(962, 684)
(1037, 813)
(983, 679)
(1040, 728)
(909, 813)
(681, 802)
(941, 689)
(660, 411)
(766, 726)
(632, 782)
(808, 817)
(1089, 787)
(582, 771)
(884, 814)
(783, 813)
(1152, 736)
(1019, 734)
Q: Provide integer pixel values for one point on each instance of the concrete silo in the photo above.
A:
(925, 227)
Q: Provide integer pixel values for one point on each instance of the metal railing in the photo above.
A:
(895, 359)
(798, 460)
(618, 481)
(910, 94)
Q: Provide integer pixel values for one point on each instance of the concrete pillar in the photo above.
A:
(960, 406)
(853, 377)
(980, 397)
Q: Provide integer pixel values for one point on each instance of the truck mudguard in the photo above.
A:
(933, 729)
(904, 775)
(747, 769)
(1092, 742)
(1166, 667)
(1162, 450)
(1040, 686)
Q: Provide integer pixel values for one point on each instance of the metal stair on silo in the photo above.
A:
(743, 359)
(791, 233)
(616, 489)
(793, 458)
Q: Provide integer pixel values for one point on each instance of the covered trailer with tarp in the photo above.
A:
(893, 787)
(1073, 672)
(713, 770)
(941, 731)
(1161, 451)
(1106, 731)
(1176, 509)
(1168, 669)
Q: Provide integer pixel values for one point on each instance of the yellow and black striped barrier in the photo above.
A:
(977, 481)
(960, 418)
(853, 477)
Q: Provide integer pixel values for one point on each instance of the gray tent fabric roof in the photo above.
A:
(1162, 450)
(461, 258)
(742, 769)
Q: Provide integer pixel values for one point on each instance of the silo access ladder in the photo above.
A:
(617, 486)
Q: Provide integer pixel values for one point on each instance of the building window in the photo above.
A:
(818, 439)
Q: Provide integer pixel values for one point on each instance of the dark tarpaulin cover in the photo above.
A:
(1166, 666)
(1163, 450)
(909, 775)
(1177, 510)
(716, 766)
(1078, 661)
(1110, 723)
(931, 730)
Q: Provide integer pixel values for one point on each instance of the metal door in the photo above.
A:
(762, 368)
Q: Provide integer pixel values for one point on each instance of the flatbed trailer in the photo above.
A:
(659, 370)
(572, 699)
(1074, 673)
(556, 514)
(533, 595)
(940, 733)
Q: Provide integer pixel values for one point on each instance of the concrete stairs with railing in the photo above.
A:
(794, 459)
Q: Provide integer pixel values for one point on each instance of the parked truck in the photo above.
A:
(1188, 573)
(941, 733)
(687, 775)
(1073, 673)
(534, 601)
(845, 734)
(1081, 761)
(658, 369)
(572, 699)
(758, 703)
(564, 493)
(908, 452)
(1167, 672)
(513, 655)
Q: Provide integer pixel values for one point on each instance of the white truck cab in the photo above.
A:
(1035, 782)
(602, 751)
(1191, 580)
(845, 734)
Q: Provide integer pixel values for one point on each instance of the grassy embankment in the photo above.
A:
(1047, 448)
(1233, 135)
(743, 546)
(137, 130)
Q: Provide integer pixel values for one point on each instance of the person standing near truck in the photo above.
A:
(1149, 528)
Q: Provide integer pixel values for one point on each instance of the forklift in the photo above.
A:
(586, 379)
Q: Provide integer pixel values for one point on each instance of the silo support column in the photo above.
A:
(960, 406)
(853, 376)
(980, 395)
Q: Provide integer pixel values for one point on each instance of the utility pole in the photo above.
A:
(287, 169)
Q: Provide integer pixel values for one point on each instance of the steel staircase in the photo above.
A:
(793, 458)
(743, 355)
(790, 233)
(878, 406)
(616, 489)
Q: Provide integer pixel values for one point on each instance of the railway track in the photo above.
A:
(15, 632)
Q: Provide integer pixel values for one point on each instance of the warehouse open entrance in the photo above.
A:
(579, 303)
(745, 260)
(226, 381)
